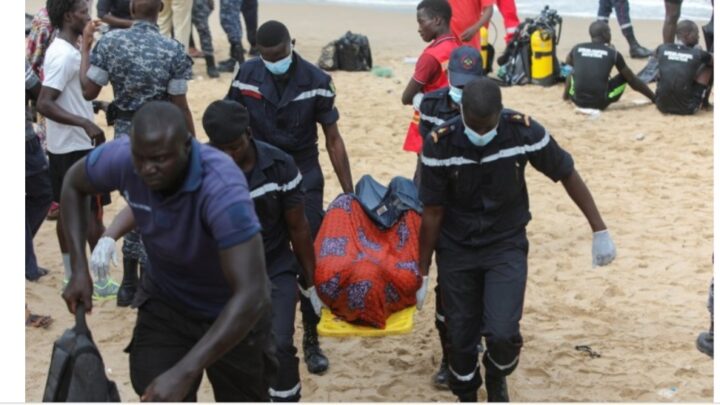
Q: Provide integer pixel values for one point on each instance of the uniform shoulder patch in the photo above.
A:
(517, 118)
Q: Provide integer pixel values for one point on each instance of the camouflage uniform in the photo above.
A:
(200, 12)
(141, 65)
(230, 19)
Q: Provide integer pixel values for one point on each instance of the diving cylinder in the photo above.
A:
(541, 61)
(484, 47)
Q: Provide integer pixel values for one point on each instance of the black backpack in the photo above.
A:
(351, 53)
(77, 371)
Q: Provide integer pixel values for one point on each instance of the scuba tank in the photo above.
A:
(484, 47)
(541, 57)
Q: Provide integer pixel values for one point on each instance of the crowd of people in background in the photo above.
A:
(197, 223)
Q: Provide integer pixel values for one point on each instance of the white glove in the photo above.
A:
(417, 99)
(315, 300)
(102, 255)
(421, 293)
(603, 248)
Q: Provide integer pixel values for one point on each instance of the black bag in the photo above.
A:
(351, 53)
(77, 371)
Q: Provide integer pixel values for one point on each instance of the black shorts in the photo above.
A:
(59, 166)
(674, 1)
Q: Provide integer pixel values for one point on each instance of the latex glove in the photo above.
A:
(603, 248)
(315, 300)
(421, 293)
(102, 256)
(417, 99)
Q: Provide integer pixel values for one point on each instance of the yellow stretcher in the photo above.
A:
(399, 323)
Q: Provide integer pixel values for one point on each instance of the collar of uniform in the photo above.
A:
(447, 104)
(263, 156)
(143, 24)
(441, 38)
(194, 175)
(462, 140)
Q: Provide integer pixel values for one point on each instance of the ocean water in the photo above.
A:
(698, 10)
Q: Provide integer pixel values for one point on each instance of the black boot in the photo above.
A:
(496, 387)
(128, 286)
(236, 56)
(211, 68)
(441, 379)
(636, 50)
(316, 361)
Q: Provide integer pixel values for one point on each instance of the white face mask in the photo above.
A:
(455, 94)
(476, 138)
(280, 67)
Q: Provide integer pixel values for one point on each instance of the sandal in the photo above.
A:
(38, 321)
(40, 273)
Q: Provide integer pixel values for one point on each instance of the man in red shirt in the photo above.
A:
(467, 18)
(433, 17)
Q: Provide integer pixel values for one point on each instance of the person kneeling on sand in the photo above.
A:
(589, 85)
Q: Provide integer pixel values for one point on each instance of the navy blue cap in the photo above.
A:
(465, 66)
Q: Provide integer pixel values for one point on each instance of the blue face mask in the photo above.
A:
(280, 67)
(478, 139)
(455, 94)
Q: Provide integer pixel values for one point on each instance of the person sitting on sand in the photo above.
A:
(589, 85)
(685, 73)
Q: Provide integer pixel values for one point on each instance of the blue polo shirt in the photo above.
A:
(483, 189)
(275, 187)
(287, 121)
(183, 233)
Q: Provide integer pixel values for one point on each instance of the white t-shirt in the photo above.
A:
(62, 67)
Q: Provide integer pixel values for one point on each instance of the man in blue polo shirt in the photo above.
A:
(277, 192)
(204, 302)
(474, 217)
(287, 97)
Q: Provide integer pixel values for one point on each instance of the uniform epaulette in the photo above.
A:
(440, 132)
(517, 118)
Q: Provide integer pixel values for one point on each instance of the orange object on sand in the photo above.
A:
(363, 273)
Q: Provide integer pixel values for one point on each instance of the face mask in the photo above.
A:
(280, 67)
(478, 139)
(455, 94)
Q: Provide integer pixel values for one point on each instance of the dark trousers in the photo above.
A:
(622, 10)
(230, 19)
(200, 14)
(284, 298)
(314, 184)
(250, 15)
(38, 196)
(164, 335)
(482, 295)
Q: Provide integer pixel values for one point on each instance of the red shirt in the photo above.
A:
(465, 13)
(428, 68)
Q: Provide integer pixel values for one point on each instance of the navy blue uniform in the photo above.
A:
(482, 247)
(275, 187)
(284, 112)
(435, 109)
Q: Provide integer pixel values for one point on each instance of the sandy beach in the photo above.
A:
(651, 176)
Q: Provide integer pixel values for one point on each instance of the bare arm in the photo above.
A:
(636, 83)
(75, 202)
(432, 217)
(90, 89)
(411, 90)
(181, 102)
(244, 268)
(123, 223)
(301, 239)
(47, 106)
(338, 156)
(471, 31)
(581, 196)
